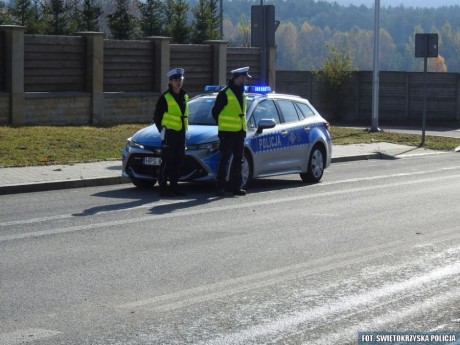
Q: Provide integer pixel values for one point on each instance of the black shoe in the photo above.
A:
(240, 192)
(220, 190)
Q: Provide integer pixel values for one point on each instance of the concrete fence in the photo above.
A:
(400, 95)
(85, 79)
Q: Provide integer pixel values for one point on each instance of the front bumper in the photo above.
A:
(198, 165)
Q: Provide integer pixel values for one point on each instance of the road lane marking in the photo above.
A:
(231, 287)
(25, 336)
(207, 210)
(36, 220)
(391, 317)
(344, 304)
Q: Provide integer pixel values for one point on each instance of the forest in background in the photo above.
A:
(306, 27)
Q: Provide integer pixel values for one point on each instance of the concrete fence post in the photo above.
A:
(14, 64)
(219, 51)
(95, 73)
(162, 53)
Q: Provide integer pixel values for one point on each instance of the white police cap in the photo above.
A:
(241, 71)
(175, 73)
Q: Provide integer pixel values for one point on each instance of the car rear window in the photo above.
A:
(289, 111)
(305, 109)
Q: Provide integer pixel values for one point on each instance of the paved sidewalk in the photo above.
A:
(51, 177)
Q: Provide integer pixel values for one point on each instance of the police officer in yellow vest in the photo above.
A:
(171, 119)
(229, 111)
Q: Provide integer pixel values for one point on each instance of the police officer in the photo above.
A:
(229, 112)
(171, 119)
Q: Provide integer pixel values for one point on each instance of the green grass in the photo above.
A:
(345, 136)
(41, 145)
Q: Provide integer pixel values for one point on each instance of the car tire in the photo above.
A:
(315, 168)
(143, 183)
(246, 170)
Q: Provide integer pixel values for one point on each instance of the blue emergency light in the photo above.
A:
(258, 89)
(262, 89)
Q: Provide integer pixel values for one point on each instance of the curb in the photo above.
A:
(106, 181)
(367, 156)
(57, 185)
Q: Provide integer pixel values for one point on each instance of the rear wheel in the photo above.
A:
(315, 167)
(143, 183)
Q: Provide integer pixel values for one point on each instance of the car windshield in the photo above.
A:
(199, 111)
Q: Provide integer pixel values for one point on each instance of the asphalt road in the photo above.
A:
(374, 247)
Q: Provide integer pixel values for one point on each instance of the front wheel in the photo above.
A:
(246, 170)
(315, 167)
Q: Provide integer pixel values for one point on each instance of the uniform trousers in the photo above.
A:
(231, 143)
(172, 156)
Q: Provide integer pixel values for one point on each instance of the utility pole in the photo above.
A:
(221, 15)
(375, 78)
(426, 46)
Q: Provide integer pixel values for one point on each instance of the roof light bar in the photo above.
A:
(249, 88)
(258, 89)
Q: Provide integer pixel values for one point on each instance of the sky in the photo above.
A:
(405, 3)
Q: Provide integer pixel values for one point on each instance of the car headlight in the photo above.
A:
(133, 144)
(211, 147)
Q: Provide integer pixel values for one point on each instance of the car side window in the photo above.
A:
(305, 109)
(265, 110)
(289, 111)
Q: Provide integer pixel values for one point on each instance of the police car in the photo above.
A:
(285, 135)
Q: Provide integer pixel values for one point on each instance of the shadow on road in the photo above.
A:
(197, 194)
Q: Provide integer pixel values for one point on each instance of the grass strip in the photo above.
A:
(42, 145)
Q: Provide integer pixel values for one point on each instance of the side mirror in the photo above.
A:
(264, 124)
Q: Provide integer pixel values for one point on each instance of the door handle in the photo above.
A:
(307, 129)
(284, 133)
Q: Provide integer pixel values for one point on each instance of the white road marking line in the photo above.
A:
(25, 336)
(390, 317)
(36, 220)
(230, 287)
(208, 210)
(344, 304)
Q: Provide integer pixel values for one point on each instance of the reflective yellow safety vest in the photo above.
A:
(172, 119)
(232, 118)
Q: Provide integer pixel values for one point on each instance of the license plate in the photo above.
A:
(152, 160)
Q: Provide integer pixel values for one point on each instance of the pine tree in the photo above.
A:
(38, 25)
(5, 15)
(122, 24)
(206, 25)
(23, 12)
(152, 17)
(176, 17)
(74, 15)
(90, 16)
(58, 18)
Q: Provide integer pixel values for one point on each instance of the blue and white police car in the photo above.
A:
(285, 135)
